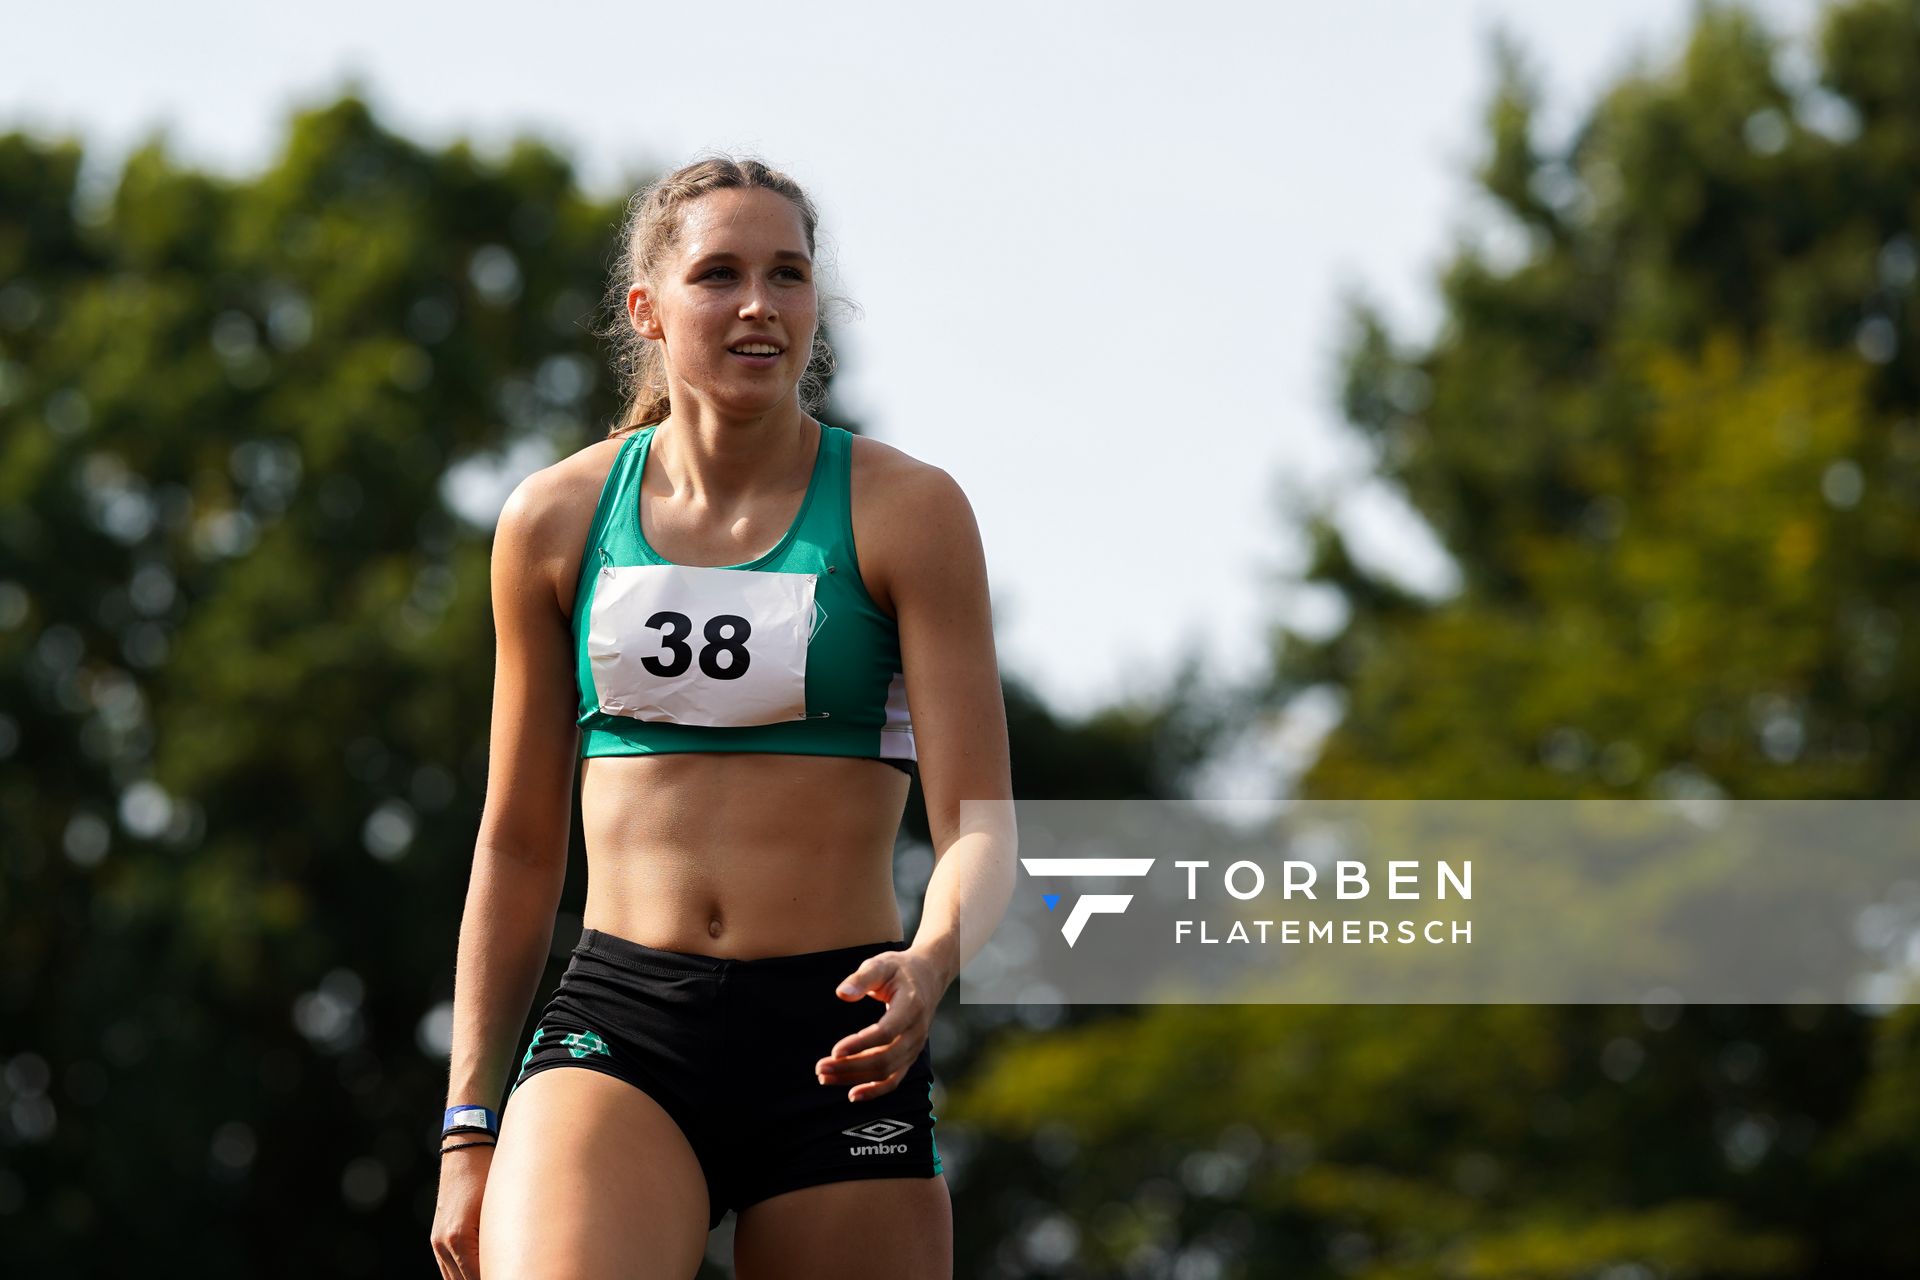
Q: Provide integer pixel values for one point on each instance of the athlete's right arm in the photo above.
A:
(520, 857)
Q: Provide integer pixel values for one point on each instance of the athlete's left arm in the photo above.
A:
(938, 584)
(935, 573)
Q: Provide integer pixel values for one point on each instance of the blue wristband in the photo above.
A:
(469, 1119)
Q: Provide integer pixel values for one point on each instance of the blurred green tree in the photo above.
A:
(1666, 432)
(253, 434)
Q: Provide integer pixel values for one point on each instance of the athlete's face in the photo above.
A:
(740, 274)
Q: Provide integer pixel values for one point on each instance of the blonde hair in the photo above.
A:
(648, 233)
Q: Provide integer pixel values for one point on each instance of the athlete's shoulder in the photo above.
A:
(901, 481)
(910, 519)
(552, 494)
(546, 517)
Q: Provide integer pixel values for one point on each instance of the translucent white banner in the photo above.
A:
(1457, 902)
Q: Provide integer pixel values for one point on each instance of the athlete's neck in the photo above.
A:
(720, 463)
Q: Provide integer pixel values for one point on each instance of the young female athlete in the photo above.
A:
(728, 608)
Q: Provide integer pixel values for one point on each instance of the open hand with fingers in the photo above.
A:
(875, 1059)
(456, 1215)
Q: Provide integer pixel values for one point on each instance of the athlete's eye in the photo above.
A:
(795, 272)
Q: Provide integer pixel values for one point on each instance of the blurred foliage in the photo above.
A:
(245, 672)
(1666, 433)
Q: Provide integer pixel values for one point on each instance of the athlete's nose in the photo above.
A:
(756, 306)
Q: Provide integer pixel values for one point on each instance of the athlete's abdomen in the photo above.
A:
(739, 854)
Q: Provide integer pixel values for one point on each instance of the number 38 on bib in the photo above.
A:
(726, 648)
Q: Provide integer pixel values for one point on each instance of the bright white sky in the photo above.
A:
(1099, 247)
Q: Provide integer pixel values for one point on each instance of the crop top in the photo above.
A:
(786, 653)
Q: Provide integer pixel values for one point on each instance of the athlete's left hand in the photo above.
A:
(874, 1060)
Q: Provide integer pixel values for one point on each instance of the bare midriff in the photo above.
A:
(741, 855)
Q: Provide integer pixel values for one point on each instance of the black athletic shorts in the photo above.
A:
(727, 1048)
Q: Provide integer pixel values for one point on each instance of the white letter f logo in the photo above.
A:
(1091, 904)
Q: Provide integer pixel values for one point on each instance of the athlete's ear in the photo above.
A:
(640, 312)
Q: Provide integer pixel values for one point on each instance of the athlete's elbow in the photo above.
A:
(535, 871)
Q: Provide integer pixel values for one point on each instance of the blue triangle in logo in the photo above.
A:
(1051, 899)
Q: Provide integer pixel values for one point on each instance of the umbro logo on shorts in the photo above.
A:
(878, 1130)
(875, 1134)
(582, 1043)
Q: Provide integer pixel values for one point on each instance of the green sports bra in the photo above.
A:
(787, 653)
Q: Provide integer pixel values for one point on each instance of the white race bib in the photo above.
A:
(690, 645)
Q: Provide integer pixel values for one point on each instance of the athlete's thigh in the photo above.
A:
(860, 1229)
(591, 1178)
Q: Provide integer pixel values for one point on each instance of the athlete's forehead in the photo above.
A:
(740, 226)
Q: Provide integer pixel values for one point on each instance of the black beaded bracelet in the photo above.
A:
(464, 1145)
